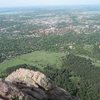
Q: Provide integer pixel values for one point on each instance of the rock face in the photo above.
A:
(24, 84)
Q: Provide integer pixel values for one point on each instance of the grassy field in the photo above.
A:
(39, 58)
(35, 58)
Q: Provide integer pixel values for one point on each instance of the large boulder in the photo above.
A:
(30, 78)
(24, 84)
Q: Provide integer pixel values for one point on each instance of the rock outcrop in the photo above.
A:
(24, 84)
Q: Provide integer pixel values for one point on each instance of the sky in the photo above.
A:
(16, 3)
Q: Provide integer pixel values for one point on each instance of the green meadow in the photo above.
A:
(36, 58)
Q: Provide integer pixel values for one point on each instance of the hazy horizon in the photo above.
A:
(34, 3)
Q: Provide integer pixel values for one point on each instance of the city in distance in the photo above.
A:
(61, 41)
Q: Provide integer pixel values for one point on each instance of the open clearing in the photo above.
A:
(37, 58)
